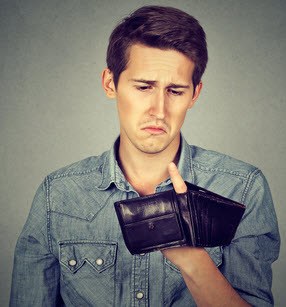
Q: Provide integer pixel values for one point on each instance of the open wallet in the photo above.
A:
(198, 218)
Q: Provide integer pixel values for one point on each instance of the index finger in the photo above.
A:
(177, 180)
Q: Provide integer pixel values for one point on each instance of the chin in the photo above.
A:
(152, 148)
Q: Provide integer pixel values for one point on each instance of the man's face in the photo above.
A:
(153, 95)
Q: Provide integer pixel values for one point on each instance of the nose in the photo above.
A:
(158, 105)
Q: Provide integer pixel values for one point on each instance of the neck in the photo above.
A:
(144, 171)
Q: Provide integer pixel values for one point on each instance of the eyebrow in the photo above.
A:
(153, 82)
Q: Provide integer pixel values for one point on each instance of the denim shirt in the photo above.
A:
(71, 251)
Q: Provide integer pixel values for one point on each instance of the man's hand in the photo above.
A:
(205, 282)
(180, 256)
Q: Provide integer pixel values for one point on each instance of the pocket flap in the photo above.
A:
(100, 255)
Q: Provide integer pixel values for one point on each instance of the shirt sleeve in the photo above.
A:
(247, 260)
(35, 279)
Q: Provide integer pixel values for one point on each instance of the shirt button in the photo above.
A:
(99, 261)
(72, 262)
(139, 295)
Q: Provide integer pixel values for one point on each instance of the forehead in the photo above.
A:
(151, 62)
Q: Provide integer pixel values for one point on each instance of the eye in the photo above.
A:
(175, 93)
(143, 88)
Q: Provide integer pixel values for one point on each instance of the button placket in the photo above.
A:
(140, 272)
(139, 295)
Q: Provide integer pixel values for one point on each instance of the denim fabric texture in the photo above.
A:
(71, 251)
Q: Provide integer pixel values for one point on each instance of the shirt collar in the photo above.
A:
(185, 164)
(112, 173)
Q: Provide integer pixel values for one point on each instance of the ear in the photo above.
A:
(196, 94)
(108, 83)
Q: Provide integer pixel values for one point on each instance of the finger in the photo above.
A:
(177, 180)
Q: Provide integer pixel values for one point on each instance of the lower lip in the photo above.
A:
(154, 131)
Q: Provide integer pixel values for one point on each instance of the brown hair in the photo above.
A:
(159, 27)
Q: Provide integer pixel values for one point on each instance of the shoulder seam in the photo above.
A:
(249, 183)
(220, 170)
(74, 173)
(58, 174)
(47, 186)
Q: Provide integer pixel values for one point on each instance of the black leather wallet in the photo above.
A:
(197, 218)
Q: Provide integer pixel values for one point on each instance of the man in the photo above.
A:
(71, 251)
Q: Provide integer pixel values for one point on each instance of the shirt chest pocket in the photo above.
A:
(99, 255)
(87, 268)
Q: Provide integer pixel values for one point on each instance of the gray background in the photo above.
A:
(53, 111)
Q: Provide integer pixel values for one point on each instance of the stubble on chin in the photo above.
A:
(152, 145)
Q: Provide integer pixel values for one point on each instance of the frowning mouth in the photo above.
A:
(157, 130)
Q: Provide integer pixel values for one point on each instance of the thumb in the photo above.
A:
(177, 180)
